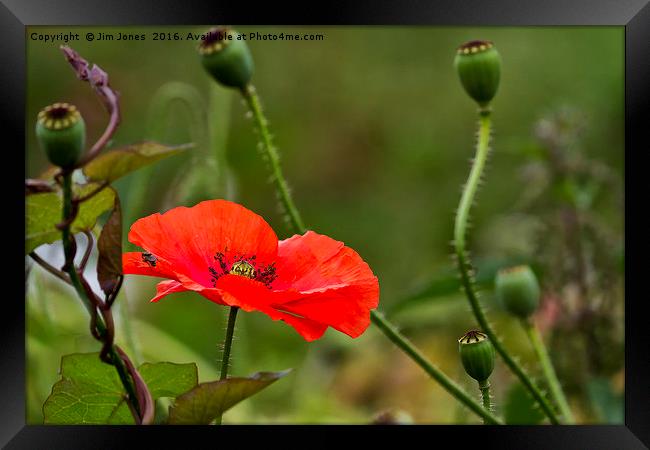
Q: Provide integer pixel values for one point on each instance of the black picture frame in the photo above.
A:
(634, 15)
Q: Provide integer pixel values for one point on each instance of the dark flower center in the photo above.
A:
(59, 116)
(244, 266)
(472, 337)
(215, 40)
(474, 47)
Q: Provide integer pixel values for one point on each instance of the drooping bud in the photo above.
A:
(477, 355)
(61, 132)
(518, 290)
(478, 64)
(226, 57)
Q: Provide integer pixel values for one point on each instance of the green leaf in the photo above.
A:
(109, 245)
(90, 391)
(116, 163)
(167, 379)
(201, 405)
(520, 408)
(44, 211)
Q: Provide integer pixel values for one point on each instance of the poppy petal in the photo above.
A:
(314, 262)
(189, 238)
(346, 308)
(164, 288)
(133, 263)
(334, 285)
(251, 295)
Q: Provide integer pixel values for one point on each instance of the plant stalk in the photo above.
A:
(464, 265)
(549, 372)
(227, 345)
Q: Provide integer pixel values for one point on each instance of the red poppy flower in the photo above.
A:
(231, 256)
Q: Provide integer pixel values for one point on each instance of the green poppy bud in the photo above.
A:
(61, 132)
(226, 57)
(518, 290)
(477, 355)
(479, 67)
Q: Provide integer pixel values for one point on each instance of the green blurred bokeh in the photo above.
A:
(375, 134)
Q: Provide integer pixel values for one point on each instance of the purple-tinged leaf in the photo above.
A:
(109, 263)
(204, 403)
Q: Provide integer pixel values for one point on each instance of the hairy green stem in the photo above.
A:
(253, 102)
(549, 372)
(75, 280)
(447, 383)
(484, 387)
(464, 265)
(377, 318)
(227, 345)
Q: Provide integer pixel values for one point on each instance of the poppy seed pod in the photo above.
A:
(61, 132)
(518, 290)
(477, 355)
(478, 64)
(226, 57)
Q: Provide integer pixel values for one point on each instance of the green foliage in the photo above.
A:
(44, 212)
(207, 401)
(608, 403)
(119, 162)
(90, 391)
(519, 408)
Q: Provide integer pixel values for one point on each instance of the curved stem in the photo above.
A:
(447, 383)
(484, 387)
(549, 372)
(253, 102)
(69, 248)
(227, 345)
(464, 265)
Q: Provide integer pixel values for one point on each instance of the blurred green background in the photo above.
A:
(375, 134)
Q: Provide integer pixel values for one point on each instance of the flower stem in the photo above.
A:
(253, 102)
(227, 345)
(447, 383)
(464, 265)
(377, 318)
(484, 387)
(549, 372)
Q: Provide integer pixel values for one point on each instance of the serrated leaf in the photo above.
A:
(205, 402)
(116, 163)
(44, 211)
(90, 391)
(109, 245)
(520, 408)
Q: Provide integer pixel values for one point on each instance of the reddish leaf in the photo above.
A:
(109, 264)
(202, 404)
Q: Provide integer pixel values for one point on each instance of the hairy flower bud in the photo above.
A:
(477, 355)
(226, 57)
(61, 132)
(518, 290)
(479, 67)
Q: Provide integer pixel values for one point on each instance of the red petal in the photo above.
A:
(132, 263)
(189, 238)
(250, 295)
(315, 262)
(335, 286)
(167, 287)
